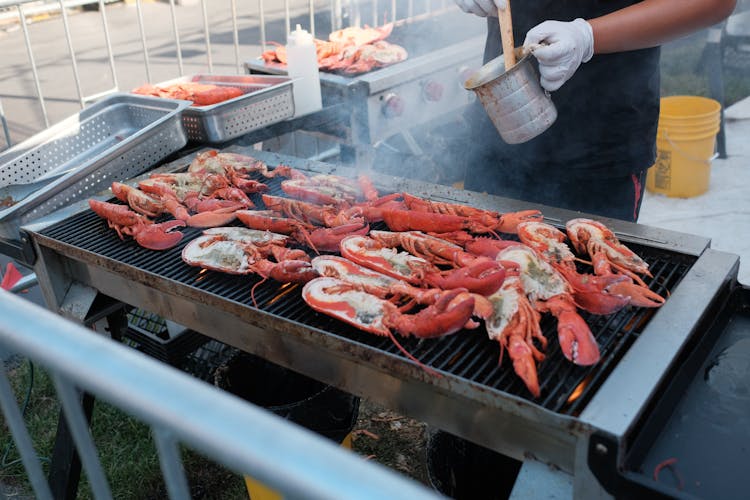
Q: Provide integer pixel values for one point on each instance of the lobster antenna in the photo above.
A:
(411, 357)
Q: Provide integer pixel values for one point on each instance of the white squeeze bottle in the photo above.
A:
(302, 65)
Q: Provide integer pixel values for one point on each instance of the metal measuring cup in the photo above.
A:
(514, 100)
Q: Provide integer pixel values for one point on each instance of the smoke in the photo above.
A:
(607, 112)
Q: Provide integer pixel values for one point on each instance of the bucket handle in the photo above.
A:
(687, 155)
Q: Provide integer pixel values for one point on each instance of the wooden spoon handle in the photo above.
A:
(506, 35)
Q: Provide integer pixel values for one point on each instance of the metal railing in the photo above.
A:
(342, 13)
(179, 410)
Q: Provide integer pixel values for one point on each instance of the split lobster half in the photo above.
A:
(326, 239)
(482, 277)
(514, 323)
(351, 304)
(603, 293)
(143, 230)
(239, 250)
(548, 291)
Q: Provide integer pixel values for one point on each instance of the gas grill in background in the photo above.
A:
(401, 109)
(583, 422)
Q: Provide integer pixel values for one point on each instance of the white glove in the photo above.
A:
(481, 8)
(564, 46)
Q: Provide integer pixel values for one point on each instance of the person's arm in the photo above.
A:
(561, 47)
(653, 22)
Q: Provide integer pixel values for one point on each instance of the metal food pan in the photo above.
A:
(119, 137)
(266, 99)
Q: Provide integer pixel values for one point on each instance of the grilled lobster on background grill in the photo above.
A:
(404, 281)
(351, 50)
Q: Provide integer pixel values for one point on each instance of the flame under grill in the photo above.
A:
(468, 356)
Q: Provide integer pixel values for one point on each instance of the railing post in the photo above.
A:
(714, 59)
(262, 21)
(14, 419)
(72, 52)
(207, 34)
(142, 29)
(171, 463)
(175, 29)
(5, 125)
(37, 85)
(108, 41)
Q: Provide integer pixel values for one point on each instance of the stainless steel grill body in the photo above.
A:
(474, 397)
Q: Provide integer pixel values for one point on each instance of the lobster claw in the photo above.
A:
(573, 333)
(638, 295)
(597, 294)
(159, 236)
(484, 277)
(329, 239)
(447, 315)
(287, 271)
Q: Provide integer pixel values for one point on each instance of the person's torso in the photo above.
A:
(608, 110)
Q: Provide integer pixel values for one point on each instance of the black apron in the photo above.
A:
(606, 125)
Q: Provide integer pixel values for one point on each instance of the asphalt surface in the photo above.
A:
(18, 94)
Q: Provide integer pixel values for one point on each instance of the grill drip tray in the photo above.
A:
(703, 447)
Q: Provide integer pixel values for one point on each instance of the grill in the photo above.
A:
(402, 99)
(468, 356)
(474, 397)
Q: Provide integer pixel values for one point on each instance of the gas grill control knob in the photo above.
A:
(393, 106)
(432, 91)
(464, 72)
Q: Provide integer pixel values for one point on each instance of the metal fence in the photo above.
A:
(338, 13)
(180, 410)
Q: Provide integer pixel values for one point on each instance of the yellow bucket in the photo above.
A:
(685, 144)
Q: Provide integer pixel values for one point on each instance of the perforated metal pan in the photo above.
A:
(266, 99)
(117, 138)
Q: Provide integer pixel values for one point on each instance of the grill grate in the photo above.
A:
(466, 355)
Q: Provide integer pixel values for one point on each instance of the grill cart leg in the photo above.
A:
(65, 464)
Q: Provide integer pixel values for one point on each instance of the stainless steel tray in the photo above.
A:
(119, 137)
(267, 99)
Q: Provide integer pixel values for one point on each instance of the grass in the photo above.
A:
(684, 72)
(126, 449)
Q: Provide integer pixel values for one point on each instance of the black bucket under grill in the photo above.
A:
(468, 355)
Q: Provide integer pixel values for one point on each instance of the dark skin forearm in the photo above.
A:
(653, 22)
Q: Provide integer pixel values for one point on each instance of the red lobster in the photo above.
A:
(318, 239)
(349, 303)
(548, 291)
(602, 294)
(479, 220)
(482, 277)
(144, 231)
(309, 213)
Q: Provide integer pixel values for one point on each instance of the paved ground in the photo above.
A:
(723, 212)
